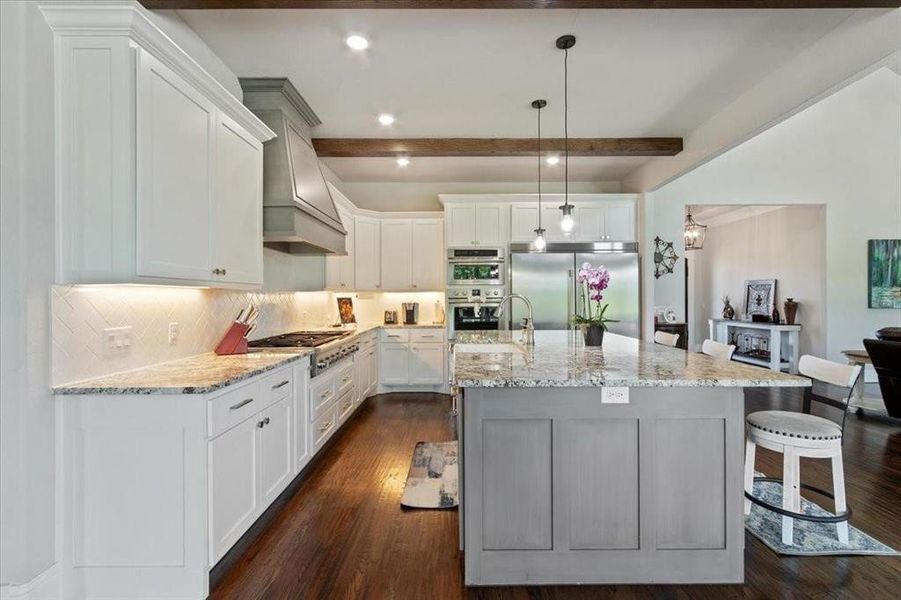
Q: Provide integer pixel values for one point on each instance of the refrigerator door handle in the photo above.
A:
(570, 297)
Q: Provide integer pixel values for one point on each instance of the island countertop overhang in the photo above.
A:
(560, 359)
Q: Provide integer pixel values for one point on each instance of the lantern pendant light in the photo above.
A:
(540, 243)
(693, 233)
(567, 223)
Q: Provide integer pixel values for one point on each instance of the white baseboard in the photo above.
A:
(43, 587)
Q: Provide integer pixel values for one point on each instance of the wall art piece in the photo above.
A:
(884, 268)
(665, 258)
(760, 298)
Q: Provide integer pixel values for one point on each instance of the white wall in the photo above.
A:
(399, 197)
(27, 422)
(844, 153)
(788, 245)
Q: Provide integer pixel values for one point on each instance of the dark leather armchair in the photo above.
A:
(886, 357)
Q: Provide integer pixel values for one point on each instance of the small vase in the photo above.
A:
(728, 311)
(775, 315)
(593, 334)
(791, 310)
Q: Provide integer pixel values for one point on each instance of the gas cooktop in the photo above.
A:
(299, 339)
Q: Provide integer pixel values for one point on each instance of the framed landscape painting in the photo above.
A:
(884, 268)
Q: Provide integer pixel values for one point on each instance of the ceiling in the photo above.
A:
(464, 73)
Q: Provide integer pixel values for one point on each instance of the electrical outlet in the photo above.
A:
(117, 340)
(614, 395)
(173, 333)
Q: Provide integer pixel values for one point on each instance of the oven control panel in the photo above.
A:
(468, 294)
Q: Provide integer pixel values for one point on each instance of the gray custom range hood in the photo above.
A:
(299, 215)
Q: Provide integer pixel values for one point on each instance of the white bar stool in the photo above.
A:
(717, 349)
(802, 434)
(666, 339)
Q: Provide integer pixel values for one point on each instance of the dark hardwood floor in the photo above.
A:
(344, 534)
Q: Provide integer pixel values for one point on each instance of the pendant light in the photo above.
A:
(567, 223)
(693, 233)
(540, 243)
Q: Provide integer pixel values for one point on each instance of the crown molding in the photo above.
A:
(130, 19)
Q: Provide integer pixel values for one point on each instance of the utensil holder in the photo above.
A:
(234, 340)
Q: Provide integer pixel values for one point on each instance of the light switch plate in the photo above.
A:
(173, 332)
(614, 395)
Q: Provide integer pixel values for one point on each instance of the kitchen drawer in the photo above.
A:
(322, 395)
(323, 427)
(426, 335)
(400, 336)
(277, 385)
(345, 406)
(232, 407)
(344, 382)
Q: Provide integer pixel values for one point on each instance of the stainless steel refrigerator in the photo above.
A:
(548, 280)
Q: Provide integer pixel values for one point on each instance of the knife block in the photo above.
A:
(234, 340)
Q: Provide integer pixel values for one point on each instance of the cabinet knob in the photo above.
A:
(217, 271)
(224, 271)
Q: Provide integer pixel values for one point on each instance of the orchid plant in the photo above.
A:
(593, 281)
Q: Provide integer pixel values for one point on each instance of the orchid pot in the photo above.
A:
(593, 281)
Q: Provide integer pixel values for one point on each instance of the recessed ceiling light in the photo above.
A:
(403, 161)
(386, 119)
(553, 160)
(357, 42)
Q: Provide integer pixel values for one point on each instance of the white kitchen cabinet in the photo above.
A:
(175, 148)
(367, 254)
(477, 224)
(160, 167)
(339, 270)
(373, 384)
(550, 220)
(590, 222)
(234, 486)
(396, 254)
(237, 195)
(620, 222)
(303, 448)
(394, 363)
(523, 222)
(427, 364)
(274, 430)
(428, 255)
(612, 221)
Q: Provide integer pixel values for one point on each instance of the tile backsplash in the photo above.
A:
(81, 313)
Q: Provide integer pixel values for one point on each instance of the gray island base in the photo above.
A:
(615, 465)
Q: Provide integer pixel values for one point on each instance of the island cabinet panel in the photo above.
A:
(691, 473)
(598, 477)
(517, 478)
(559, 487)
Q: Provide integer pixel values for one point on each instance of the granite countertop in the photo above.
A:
(206, 372)
(194, 375)
(560, 359)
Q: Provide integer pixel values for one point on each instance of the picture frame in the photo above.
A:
(346, 311)
(760, 298)
(884, 273)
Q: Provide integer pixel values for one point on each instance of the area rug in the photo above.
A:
(432, 480)
(810, 539)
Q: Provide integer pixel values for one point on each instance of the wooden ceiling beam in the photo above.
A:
(516, 4)
(390, 147)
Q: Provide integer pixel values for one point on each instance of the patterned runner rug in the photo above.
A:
(432, 480)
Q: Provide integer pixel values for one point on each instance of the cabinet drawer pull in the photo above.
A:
(345, 380)
(326, 427)
(327, 394)
(240, 404)
(282, 384)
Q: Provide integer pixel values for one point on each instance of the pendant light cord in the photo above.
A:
(566, 127)
(539, 168)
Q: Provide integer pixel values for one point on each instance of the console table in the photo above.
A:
(776, 333)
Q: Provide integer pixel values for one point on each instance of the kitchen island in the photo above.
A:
(620, 464)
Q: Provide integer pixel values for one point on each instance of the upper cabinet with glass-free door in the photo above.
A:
(160, 177)
(477, 224)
